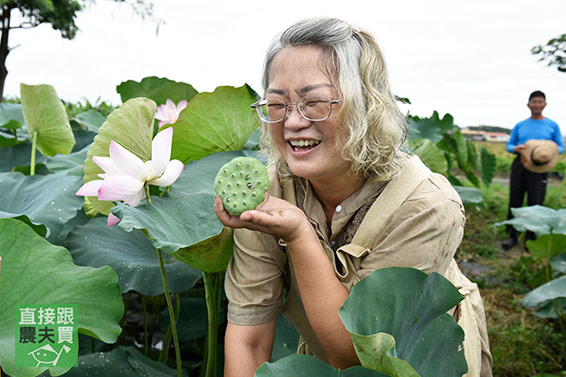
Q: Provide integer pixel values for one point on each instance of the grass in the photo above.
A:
(522, 345)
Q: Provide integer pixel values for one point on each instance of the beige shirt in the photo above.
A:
(423, 233)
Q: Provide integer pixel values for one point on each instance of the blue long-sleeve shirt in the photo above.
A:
(528, 129)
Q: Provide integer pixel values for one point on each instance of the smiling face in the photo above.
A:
(311, 149)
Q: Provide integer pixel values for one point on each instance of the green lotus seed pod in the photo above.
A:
(243, 176)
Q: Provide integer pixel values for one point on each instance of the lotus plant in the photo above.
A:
(125, 174)
(169, 112)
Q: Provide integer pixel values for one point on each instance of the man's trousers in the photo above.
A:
(525, 181)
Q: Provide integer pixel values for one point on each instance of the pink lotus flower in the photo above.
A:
(169, 113)
(125, 174)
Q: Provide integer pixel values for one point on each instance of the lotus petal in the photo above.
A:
(161, 152)
(169, 113)
(172, 172)
(112, 219)
(181, 106)
(128, 162)
(90, 188)
(135, 199)
(106, 164)
(166, 112)
(119, 187)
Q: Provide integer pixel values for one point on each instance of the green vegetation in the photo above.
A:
(521, 343)
(553, 52)
(193, 251)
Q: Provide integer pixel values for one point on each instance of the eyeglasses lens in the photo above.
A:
(315, 108)
(311, 108)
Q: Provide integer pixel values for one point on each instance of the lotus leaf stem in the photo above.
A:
(146, 187)
(171, 313)
(33, 148)
(212, 292)
(145, 341)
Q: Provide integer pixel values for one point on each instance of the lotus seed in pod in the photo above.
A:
(241, 184)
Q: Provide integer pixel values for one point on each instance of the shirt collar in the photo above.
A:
(309, 203)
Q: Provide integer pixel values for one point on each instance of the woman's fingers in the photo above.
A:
(264, 217)
(248, 219)
(224, 216)
(273, 216)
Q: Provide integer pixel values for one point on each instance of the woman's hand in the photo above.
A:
(274, 216)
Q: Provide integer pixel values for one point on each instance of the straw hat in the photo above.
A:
(539, 156)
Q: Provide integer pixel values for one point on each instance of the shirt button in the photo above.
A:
(332, 243)
(339, 208)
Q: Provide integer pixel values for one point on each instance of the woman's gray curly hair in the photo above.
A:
(375, 128)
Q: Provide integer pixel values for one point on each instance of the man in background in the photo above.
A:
(536, 141)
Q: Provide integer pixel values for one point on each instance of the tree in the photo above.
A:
(554, 52)
(61, 14)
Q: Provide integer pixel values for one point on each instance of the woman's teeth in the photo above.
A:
(303, 145)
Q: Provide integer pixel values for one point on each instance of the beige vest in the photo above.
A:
(469, 313)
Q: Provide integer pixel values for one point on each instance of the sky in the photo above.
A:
(468, 58)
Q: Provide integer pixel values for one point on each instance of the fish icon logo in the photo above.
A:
(47, 355)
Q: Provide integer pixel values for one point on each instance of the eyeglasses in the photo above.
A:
(315, 109)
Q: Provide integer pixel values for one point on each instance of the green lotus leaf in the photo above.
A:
(538, 219)
(184, 217)
(432, 156)
(173, 221)
(7, 139)
(459, 145)
(360, 372)
(210, 255)
(298, 365)
(48, 199)
(131, 126)
(131, 255)
(157, 89)
(430, 128)
(374, 353)
(122, 361)
(11, 116)
(35, 272)
(45, 116)
(558, 263)
(286, 339)
(488, 165)
(424, 128)
(469, 195)
(253, 141)
(215, 122)
(91, 120)
(83, 138)
(547, 246)
(410, 306)
(18, 155)
(11, 121)
(68, 164)
(551, 309)
(548, 295)
(80, 219)
(37, 227)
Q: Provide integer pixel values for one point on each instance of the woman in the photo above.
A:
(333, 134)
